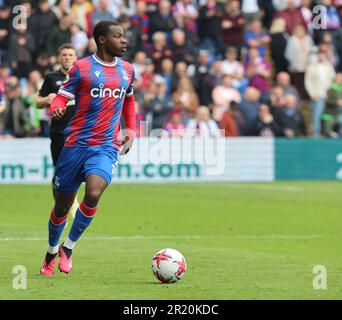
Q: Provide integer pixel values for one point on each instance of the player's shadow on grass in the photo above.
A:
(156, 283)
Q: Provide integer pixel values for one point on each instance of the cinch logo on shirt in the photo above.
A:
(102, 92)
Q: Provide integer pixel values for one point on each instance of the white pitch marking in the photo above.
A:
(196, 237)
(266, 187)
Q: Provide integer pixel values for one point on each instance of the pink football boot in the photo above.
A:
(65, 264)
(48, 270)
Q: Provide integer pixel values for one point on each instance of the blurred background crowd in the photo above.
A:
(249, 67)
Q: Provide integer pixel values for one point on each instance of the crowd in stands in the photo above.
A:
(249, 67)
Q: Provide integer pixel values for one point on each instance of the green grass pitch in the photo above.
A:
(241, 241)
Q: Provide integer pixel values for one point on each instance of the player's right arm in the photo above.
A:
(66, 92)
(44, 102)
(45, 96)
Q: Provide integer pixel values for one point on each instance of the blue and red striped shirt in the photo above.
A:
(99, 89)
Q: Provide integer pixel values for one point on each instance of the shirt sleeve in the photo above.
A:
(45, 90)
(130, 89)
(71, 82)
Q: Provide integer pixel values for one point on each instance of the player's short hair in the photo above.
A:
(102, 28)
(65, 46)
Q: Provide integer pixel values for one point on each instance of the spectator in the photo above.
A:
(233, 24)
(250, 9)
(5, 13)
(139, 64)
(258, 71)
(101, 12)
(280, 5)
(159, 50)
(180, 71)
(306, 12)
(42, 22)
(202, 125)
(186, 14)
(39, 119)
(277, 101)
(265, 125)
(186, 97)
(283, 80)
(129, 7)
(292, 16)
(181, 49)
(209, 23)
(141, 21)
(79, 40)
(132, 35)
(200, 70)
(208, 83)
(249, 109)
(235, 69)
(43, 63)
(297, 54)
(59, 35)
(175, 126)
(161, 104)
(21, 48)
(148, 75)
(327, 46)
(61, 9)
(333, 111)
(4, 75)
(30, 17)
(256, 38)
(332, 20)
(82, 10)
(148, 96)
(13, 118)
(291, 119)
(279, 39)
(91, 48)
(266, 12)
(166, 73)
(223, 95)
(163, 20)
(114, 7)
(228, 124)
(318, 78)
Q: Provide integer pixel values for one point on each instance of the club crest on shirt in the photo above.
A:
(124, 75)
(56, 182)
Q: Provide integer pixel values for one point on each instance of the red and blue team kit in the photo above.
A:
(103, 92)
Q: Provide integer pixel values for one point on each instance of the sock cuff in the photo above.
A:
(56, 220)
(88, 212)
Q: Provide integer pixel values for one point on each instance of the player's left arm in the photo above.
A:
(66, 92)
(128, 112)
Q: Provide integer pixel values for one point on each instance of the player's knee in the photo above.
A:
(92, 197)
(61, 211)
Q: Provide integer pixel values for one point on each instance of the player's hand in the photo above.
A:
(50, 97)
(58, 113)
(126, 145)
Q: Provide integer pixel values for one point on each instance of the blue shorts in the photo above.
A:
(75, 164)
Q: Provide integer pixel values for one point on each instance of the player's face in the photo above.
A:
(66, 58)
(115, 42)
